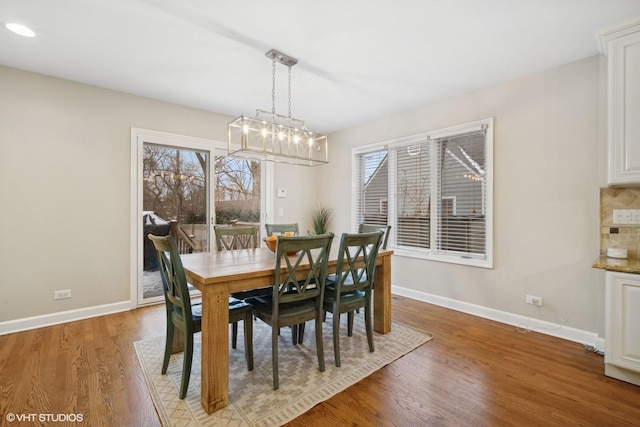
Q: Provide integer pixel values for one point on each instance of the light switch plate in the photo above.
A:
(282, 192)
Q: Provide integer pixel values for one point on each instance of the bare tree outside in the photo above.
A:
(175, 184)
(237, 190)
(175, 197)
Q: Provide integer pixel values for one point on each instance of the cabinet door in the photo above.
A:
(623, 321)
(624, 109)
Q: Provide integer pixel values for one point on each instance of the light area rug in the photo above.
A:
(252, 400)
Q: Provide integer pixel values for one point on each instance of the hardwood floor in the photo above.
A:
(474, 372)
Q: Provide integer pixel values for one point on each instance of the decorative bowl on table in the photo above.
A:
(272, 242)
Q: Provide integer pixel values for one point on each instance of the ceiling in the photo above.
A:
(358, 59)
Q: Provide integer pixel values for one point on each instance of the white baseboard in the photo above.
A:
(553, 329)
(11, 326)
(525, 323)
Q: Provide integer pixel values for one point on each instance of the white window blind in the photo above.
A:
(411, 181)
(460, 212)
(372, 174)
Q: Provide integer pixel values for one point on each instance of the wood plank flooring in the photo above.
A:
(474, 372)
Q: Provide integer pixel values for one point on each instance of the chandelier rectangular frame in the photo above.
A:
(274, 137)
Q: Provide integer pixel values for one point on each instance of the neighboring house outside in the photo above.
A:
(462, 201)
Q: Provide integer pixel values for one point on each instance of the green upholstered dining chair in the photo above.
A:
(282, 228)
(235, 237)
(239, 237)
(370, 228)
(187, 316)
(298, 290)
(350, 288)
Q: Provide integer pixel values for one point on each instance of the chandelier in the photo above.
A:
(276, 137)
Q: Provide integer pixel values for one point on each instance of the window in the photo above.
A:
(372, 187)
(411, 183)
(436, 190)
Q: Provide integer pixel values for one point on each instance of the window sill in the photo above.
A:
(427, 255)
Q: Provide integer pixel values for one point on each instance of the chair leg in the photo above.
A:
(336, 335)
(301, 332)
(294, 334)
(234, 335)
(319, 344)
(274, 356)
(350, 324)
(248, 340)
(369, 326)
(186, 364)
(168, 346)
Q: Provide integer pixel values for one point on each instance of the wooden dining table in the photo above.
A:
(217, 274)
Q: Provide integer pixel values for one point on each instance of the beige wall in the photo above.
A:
(301, 195)
(65, 189)
(547, 157)
(65, 171)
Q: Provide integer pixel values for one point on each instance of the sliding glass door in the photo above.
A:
(183, 187)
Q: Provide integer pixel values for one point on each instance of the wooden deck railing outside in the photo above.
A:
(184, 241)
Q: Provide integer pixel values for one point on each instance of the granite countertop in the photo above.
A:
(617, 264)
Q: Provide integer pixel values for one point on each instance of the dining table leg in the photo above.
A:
(215, 347)
(382, 297)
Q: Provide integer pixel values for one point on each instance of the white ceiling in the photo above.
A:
(358, 59)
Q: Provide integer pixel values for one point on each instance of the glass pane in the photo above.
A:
(174, 202)
(412, 184)
(462, 204)
(373, 175)
(237, 191)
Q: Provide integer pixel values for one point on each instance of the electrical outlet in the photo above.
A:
(63, 294)
(534, 300)
(626, 216)
(618, 216)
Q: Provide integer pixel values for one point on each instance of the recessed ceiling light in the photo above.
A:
(20, 29)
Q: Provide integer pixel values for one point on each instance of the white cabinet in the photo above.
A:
(622, 347)
(622, 47)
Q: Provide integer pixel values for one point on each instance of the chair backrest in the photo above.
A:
(232, 237)
(289, 285)
(176, 291)
(369, 228)
(352, 272)
(282, 228)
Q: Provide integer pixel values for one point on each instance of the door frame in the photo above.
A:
(215, 148)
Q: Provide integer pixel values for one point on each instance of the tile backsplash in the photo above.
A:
(628, 236)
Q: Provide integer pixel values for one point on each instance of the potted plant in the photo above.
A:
(321, 217)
